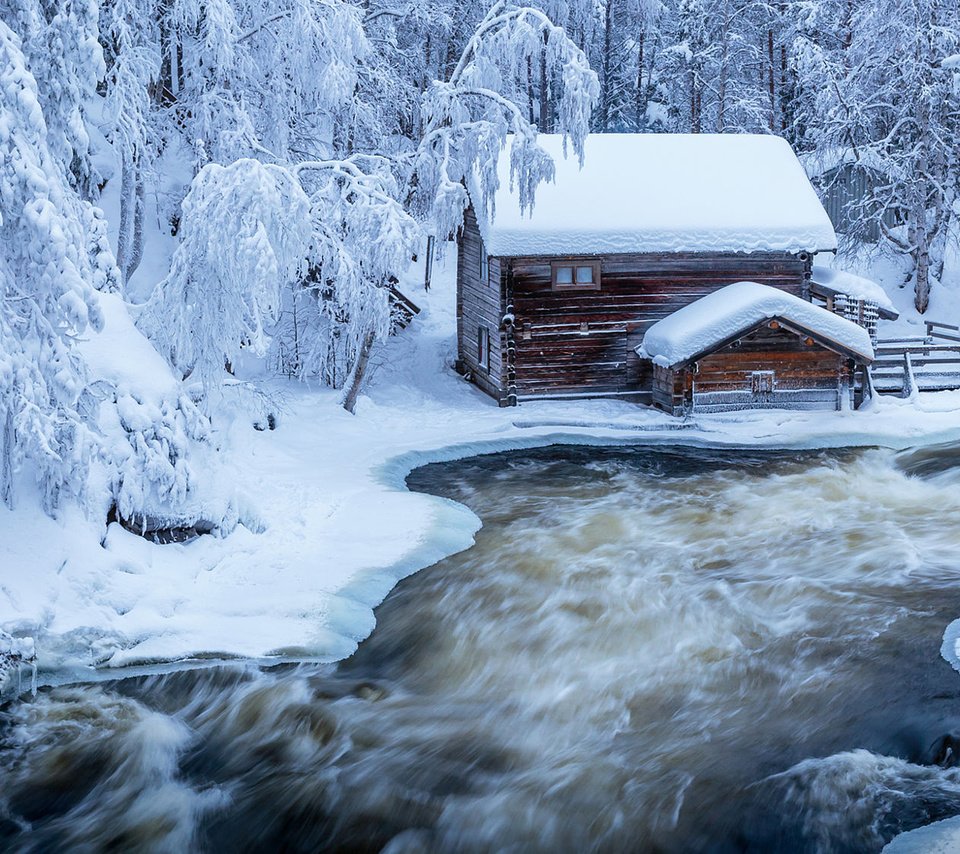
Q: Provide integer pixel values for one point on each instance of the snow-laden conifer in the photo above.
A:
(878, 99)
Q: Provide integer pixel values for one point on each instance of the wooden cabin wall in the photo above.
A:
(804, 374)
(479, 303)
(556, 354)
(671, 389)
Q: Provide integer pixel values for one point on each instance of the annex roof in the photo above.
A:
(704, 325)
(663, 193)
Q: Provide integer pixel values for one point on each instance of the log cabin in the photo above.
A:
(554, 302)
(753, 346)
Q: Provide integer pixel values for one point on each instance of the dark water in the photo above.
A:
(647, 650)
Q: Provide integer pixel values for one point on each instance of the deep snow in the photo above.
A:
(852, 285)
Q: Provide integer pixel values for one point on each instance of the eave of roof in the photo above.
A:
(798, 329)
(730, 312)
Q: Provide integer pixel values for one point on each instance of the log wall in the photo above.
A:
(804, 376)
(583, 341)
(479, 303)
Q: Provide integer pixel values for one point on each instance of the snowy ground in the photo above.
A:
(329, 526)
(941, 837)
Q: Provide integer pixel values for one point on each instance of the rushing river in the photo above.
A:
(657, 650)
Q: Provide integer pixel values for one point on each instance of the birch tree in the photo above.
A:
(886, 103)
(470, 115)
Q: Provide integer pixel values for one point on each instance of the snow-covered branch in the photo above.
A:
(470, 116)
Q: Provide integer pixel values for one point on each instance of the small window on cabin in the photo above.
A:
(576, 275)
(483, 348)
(484, 265)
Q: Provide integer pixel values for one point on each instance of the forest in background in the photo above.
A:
(327, 138)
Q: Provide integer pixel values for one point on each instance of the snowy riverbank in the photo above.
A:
(328, 526)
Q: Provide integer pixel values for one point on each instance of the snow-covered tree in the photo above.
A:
(46, 270)
(246, 232)
(470, 115)
(360, 237)
(262, 78)
(132, 31)
(885, 102)
(357, 235)
(61, 48)
(81, 430)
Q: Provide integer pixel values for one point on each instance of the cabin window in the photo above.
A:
(483, 348)
(573, 274)
(484, 265)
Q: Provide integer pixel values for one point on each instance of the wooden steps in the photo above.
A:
(907, 365)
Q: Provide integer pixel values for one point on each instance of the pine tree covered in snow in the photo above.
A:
(66, 416)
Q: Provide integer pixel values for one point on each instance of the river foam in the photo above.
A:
(646, 649)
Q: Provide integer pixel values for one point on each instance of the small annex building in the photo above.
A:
(750, 345)
(555, 302)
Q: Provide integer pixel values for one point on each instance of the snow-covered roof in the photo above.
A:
(818, 163)
(663, 193)
(854, 286)
(697, 328)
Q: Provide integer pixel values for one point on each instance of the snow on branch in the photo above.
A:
(246, 229)
(52, 255)
(360, 237)
(469, 117)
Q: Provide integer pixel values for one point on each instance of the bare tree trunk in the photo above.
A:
(294, 367)
(6, 460)
(132, 211)
(353, 392)
(428, 263)
(125, 233)
(919, 213)
(140, 207)
(786, 110)
(696, 95)
(921, 287)
(771, 86)
(530, 95)
(640, 99)
(607, 63)
(544, 90)
(174, 48)
(722, 85)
